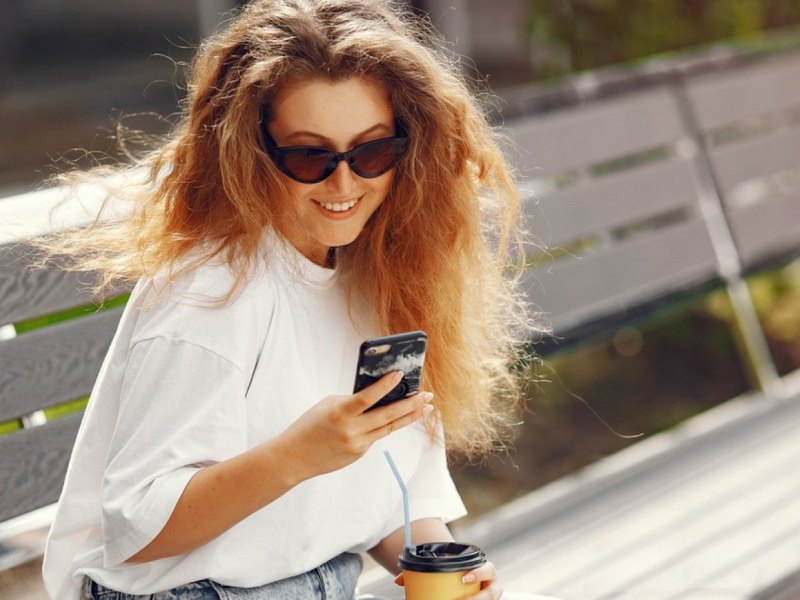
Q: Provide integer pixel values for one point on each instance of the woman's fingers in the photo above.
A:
(486, 572)
(337, 430)
(487, 576)
(362, 400)
(383, 421)
(492, 591)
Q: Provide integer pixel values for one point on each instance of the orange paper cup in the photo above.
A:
(433, 571)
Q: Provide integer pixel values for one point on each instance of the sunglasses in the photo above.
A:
(312, 164)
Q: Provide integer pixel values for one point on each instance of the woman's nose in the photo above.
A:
(342, 180)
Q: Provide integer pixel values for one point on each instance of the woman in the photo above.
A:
(332, 180)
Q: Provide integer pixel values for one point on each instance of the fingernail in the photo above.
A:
(427, 409)
(398, 375)
(427, 397)
(468, 578)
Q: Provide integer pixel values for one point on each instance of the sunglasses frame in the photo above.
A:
(277, 154)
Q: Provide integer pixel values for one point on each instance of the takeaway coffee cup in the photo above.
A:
(433, 571)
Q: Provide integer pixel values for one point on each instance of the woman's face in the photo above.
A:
(336, 115)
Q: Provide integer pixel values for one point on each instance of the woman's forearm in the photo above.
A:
(221, 495)
(332, 434)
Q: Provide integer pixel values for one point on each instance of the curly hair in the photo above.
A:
(436, 252)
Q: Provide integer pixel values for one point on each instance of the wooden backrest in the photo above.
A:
(49, 365)
(750, 120)
(610, 195)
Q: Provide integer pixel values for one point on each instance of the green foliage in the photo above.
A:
(575, 35)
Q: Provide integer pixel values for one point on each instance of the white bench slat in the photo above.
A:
(595, 133)
(642, 534)
(719, 100)
(56, 208)
(774, 562)
(753, 531)
(563, 552)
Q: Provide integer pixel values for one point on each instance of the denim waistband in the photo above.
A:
(333, 580)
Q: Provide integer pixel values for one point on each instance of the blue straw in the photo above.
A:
(404, 490)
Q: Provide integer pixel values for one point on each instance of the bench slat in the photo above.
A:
(746, 535)
(53, 365)
(648, 532)
(722, 99)
(767, 229)
(613, 201)
(756, 157)
(574, 291)
(654, 516)
(775, 562)
(26, 293)
(33, 463)
(61, 207)
(595, 133)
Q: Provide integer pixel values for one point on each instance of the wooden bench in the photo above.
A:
(633, 198)
(45, 367)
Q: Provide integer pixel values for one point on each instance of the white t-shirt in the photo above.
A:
(186, 385)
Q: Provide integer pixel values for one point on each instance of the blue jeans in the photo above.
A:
(334, 580)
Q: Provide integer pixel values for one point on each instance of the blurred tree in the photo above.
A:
(574, 35)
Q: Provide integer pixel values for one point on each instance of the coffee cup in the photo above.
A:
(433, 571)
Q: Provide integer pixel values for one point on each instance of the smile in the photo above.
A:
(338, 207)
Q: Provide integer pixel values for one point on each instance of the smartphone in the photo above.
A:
(401, 352)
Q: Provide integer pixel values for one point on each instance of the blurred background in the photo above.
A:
(73, 71)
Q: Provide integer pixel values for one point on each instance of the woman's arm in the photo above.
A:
(332, 434)
(221, 495)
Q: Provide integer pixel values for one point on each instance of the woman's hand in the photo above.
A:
(337, 431)
(486, 574)
(386, 551)
(490, 586)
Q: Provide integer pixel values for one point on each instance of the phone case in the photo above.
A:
(401, 352)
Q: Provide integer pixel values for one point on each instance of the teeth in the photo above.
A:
(340, 207)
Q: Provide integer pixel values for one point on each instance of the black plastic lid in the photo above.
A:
(441, 557)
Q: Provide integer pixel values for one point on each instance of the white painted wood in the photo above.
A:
(705, 510)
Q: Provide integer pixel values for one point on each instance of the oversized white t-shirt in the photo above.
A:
(186, 385)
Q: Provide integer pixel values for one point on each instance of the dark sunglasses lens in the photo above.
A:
(308, 164)
(375, 158)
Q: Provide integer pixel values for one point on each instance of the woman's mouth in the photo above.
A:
(338, 207)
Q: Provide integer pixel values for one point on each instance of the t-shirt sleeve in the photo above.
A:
(181, 408)
(431, 491)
